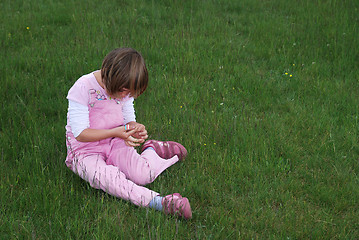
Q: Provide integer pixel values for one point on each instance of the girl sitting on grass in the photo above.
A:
(102, 131)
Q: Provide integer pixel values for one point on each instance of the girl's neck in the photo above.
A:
(98, 77)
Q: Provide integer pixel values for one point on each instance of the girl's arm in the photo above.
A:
(79, 122)
(128, 111)
(92, 135)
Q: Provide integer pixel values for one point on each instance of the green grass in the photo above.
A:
(270, 155)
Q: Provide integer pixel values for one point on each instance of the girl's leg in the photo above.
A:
(141, 169)
(110, 179)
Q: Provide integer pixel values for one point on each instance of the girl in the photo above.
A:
(102, 131)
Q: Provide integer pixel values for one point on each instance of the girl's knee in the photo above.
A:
(144, 178)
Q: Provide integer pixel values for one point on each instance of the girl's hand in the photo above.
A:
(126, 135)
(141, 132)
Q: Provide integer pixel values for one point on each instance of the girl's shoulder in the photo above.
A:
(86, 80)
(79, 91)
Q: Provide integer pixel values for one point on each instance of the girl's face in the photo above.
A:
(122, 94)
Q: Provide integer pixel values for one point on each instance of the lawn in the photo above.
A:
(263, 94)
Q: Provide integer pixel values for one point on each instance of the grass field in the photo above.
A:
(264, 95)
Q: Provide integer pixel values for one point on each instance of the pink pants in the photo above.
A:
(119, 170)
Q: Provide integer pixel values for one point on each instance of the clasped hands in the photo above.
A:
(133, 134)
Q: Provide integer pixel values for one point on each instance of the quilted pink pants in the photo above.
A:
(123, 173)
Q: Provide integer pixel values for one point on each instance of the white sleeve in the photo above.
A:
(79, 118)
(128, 111)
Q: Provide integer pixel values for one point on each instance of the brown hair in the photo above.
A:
(124, 68)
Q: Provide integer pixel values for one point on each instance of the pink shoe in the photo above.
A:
(175, 204)
(167, 149)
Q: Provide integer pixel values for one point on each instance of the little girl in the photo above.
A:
(102, 131)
